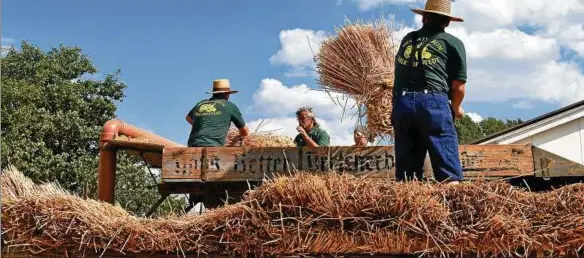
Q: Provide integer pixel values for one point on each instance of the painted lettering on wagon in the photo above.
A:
(347, 161)
(262, 164)
(186, 167)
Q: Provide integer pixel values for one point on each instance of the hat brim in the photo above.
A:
(452, 18)
(223, 91)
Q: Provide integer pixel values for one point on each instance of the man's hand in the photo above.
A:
(301, 130)
(458, 112)
(239, 139)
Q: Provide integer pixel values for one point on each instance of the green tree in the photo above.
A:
(51, 119)
(467, 130)
(492, 125)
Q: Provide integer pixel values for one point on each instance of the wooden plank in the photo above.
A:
(371, 161)
(245, 163)
(129, 143)
(182, 163)
(254, 164)
(477, 160)
(150, 151)
(496, 160)
(549, 165)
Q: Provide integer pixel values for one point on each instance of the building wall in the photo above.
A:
(566, 140)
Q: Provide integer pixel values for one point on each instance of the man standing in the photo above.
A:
(309, 131)
(430, 77)
(210, 120)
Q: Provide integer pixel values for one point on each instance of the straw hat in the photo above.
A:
(222, 86)
(442, 7)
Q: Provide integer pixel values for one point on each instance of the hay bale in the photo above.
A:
(359, 62)
(312, 214)
(258, 139)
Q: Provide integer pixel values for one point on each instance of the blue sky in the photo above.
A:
(171, 51)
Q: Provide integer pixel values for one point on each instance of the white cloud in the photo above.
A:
(5, 50)
(7, 45)
(507, 44)
(488, 14)
(277, 104)
(276, 99)
(475, 117)
(523, 104)
(298, 49)
(573, 37)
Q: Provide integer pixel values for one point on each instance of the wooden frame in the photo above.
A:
(229, 164)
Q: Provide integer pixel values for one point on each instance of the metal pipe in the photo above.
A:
(106, 179)
(107, 156)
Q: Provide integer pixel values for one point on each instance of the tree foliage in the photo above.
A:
(51, 119)
(469, 130)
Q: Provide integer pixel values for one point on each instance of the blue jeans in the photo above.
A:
(425, 122)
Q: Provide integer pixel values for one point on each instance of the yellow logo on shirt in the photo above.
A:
(427, 57)
(208, 109)
(205, 108)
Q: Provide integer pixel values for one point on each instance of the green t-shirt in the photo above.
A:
(211, 121)
(443, 59)
(317, 134)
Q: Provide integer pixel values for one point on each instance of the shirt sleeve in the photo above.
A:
(323, 139)
(191, 113)
(457, 64)
(237, 118)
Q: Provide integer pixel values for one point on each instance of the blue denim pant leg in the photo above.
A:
(410, 145)
(435, 118)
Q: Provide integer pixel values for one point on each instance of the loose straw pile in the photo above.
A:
(309, 214)
(258, 139)
(359, 62)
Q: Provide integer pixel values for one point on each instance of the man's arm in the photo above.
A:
(458, 74)
(308, 140)
(237, 119)
(458, 90)
(189, 119)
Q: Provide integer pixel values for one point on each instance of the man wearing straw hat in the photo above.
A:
(430, 77)
(210, 120)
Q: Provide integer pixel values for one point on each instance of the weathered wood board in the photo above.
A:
(373, 161)
(549, 165)
(182, 163)
(496, 160)
(244, 163)
(225, 164)
(151, 153)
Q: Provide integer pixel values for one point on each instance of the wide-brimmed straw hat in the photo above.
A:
(222, 86)
(442, 7)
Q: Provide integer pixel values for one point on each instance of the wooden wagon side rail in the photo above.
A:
(230, 164)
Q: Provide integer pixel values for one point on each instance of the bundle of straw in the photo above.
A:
(310, 214)
(258, 139)
(359, 62)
